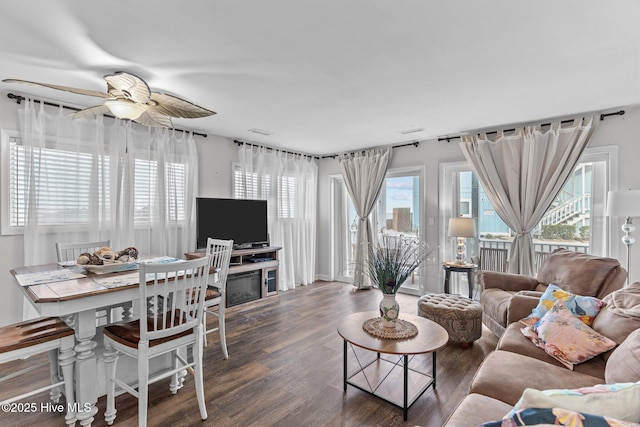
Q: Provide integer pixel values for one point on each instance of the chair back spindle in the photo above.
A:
(219, 252)
(175, 295)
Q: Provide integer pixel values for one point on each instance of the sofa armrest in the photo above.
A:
(521, 305)
(508, 281)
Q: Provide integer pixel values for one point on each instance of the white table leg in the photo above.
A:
(86, 374)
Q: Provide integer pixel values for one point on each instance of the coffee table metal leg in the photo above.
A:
(406, 387)
(433, 368)
(344, 365)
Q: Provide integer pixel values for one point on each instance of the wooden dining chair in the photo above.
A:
(219, 252)
(70, 252)
(32, 337)
(175, 299)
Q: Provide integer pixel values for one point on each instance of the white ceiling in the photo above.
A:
(328, 76)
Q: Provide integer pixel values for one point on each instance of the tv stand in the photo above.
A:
(244, 273)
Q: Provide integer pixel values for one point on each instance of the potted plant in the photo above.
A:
(389, 264)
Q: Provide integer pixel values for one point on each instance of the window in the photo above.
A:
(575, 220)
(397, 215)
(74, 184)
(245, 184)
(288, 189)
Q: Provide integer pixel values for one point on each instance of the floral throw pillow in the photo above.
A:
(619, 400)
(584, 308)
(564, 337)
(557, 416)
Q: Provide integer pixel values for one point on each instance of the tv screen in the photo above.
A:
(244, 221)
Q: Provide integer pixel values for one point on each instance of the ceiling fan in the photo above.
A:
(129, 97)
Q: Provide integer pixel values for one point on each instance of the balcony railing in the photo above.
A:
(538, 246)
(568, 211)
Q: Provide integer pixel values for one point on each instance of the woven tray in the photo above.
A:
(402, 330)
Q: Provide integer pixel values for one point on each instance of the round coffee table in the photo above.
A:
(381, 376)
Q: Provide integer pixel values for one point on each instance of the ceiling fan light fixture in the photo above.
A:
(124, 109)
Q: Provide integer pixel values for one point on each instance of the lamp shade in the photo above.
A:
(462, 227)
(625, 203)
(123, 109)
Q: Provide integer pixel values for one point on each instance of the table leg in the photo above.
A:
(447, 280)
(344, 365)
(470, 280)
(86, 374)
(406, 387)
(433, 368)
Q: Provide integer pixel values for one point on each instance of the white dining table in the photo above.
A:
(57, 291)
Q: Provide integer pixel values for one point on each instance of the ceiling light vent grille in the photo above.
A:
(261, 132)
(414, 130)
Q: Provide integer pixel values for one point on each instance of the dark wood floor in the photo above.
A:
(285, 369)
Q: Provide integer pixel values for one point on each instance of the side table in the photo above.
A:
(458, 268)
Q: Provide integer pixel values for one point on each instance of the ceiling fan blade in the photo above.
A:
(125, 85)
(152, 119)
(91, 112)
(176, 107)
(64, 88)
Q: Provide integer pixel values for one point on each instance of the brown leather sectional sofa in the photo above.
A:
(517, 363)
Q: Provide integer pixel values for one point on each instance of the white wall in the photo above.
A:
(216, 155)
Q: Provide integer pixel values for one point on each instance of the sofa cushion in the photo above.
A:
(475, 409)
(581, 273)
(495, 303)
(514, 341)
(504, 376)
(585, 308)
(620, 400)
(564, 337)
(621, 314)
(624, 362)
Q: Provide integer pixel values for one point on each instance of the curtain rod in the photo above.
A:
(271, 148)
(414, 143)
(19, 99)
(602, 117)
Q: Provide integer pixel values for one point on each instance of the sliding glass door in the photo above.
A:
(397, 215)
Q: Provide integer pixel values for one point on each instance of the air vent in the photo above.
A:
(414, 130)
(261, 132)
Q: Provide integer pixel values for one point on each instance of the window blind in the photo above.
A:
(74, 179)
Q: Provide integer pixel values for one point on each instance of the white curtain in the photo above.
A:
(523, 173)
(364, 174)
(132, 184)
(289, 183)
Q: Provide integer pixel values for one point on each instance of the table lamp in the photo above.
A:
(461, 228)
(625, 203)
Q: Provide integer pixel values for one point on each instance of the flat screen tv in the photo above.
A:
(244, 221)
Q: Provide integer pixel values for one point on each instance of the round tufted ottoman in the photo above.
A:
(460, 316)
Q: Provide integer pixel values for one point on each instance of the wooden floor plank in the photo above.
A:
(285, 369)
